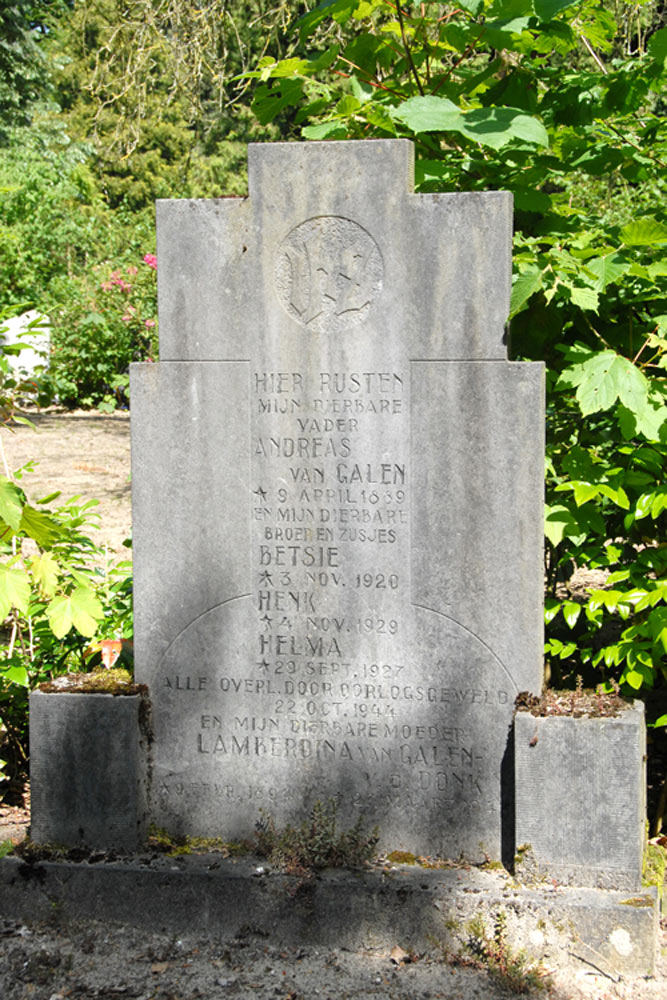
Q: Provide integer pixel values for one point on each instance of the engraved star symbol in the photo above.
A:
(266, 578)
(261, 493)
(267, 622)
(263, 665)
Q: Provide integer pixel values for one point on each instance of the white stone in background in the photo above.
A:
(32, 332)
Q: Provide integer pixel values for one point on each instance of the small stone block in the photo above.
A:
(87, 770)
(580, 797)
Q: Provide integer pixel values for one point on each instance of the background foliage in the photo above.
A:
(107, 104)
(561, 103)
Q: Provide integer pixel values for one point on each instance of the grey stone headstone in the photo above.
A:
(581, 798)
(337, 502)
(88, 774)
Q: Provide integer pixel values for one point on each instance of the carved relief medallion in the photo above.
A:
(328, 271)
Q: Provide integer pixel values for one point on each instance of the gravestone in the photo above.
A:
(579, 816)
(88, 770)
(337, 504)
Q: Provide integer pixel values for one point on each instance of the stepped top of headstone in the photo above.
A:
(428, 272)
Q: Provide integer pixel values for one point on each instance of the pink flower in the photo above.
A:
(149, 324)
(106, 286)
(126, 319)
(151, 260)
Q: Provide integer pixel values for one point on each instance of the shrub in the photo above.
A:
(58, 590)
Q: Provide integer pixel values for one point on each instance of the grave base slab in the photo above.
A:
(611, 931)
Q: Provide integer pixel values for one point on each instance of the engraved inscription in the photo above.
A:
(328, 271)
(342, 683)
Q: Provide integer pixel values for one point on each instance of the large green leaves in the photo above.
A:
(494, 127)
(546, 9)
(602, 379)
(14, 590)
(644, 232)
(11, 503)
(81, 609)
(525, 284)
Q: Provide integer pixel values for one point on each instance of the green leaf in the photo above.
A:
(634, 678)
(648, 420)
(16, 674)
(325, 130)
(657, 45)
(496, 127)
(269, 101)
(643, 508)
(657, 621)
(45, 571)
(583, 492)
(559, 524)
(362, 91)
(604, 378)
(80, 609)
(59, 616)
(607, 269)
(348, 105)
(571, 612)
(14, 590)
(472, 6)
(584, 298)
(493, 126)
(526, 284)
(39, 526)
(644, 232)
(617, 496)
(429, 114)
(11, 503)
(551, 609)
(86, 611)
(547, 9)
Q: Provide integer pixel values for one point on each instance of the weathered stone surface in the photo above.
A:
(423, 909)
(87, 770)
(337, 489)
(581, 797)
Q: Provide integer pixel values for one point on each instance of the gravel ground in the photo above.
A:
(99, 962)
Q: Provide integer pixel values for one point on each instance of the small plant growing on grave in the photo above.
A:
(58, 589)
(316, 843)
(179, 844)
(512, 969)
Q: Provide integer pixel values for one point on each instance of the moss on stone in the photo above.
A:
(115, 681)
(655, 863)
(402, 858)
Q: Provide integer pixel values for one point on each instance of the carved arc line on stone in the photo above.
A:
(449, 618)
(214, 607)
